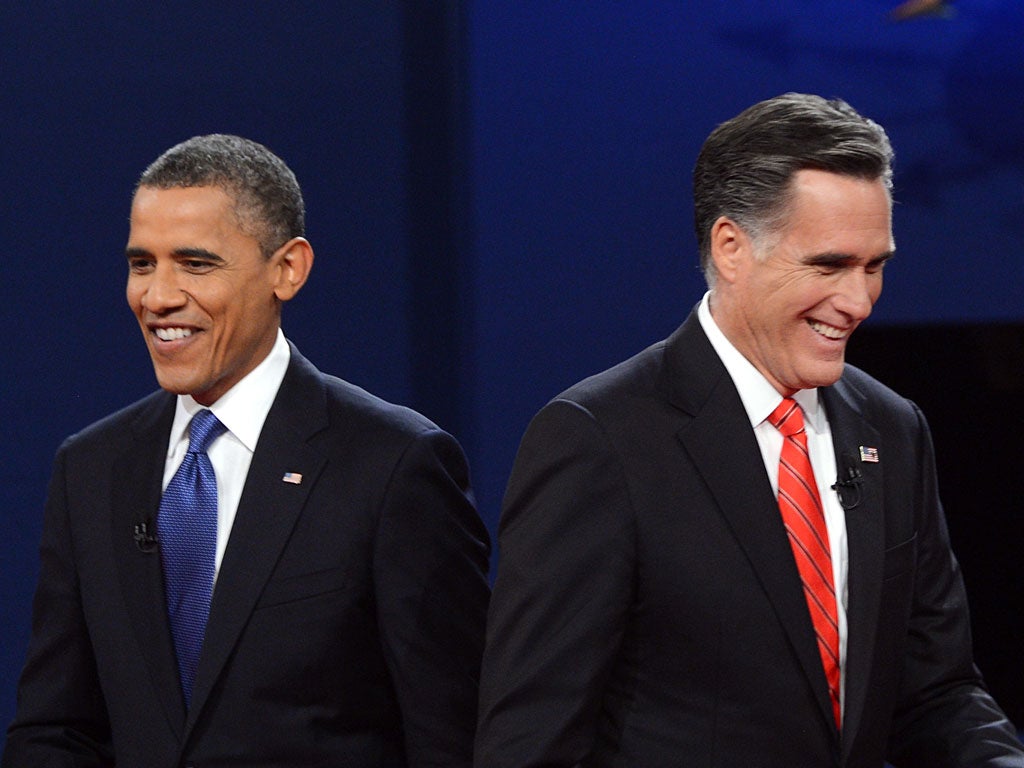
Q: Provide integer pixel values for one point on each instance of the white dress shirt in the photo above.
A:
(242, 409)
(759, 400)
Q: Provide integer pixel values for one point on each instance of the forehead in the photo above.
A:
(187, 210)
(830, 206)
(837, 193)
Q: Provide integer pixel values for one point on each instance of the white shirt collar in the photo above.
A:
(759, 397)
(244, 407)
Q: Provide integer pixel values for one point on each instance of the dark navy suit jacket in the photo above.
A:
(347, 621)
(648, 611)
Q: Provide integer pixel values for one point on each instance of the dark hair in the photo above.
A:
(268, 201)
(746, 165)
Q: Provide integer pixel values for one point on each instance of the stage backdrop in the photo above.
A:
(498, 197)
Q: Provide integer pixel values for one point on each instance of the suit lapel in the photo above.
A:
(267, 512)
(865, 535)
(137, 477)
(722, 445)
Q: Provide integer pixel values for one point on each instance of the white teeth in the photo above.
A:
(170, 334)
(827, 330)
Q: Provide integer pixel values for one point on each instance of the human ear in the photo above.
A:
(294, 262)
(730, 246)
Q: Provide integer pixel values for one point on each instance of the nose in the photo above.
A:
(858, 292)
(162, 291)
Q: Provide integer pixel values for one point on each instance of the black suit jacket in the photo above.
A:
(347, 620)
(648, 611)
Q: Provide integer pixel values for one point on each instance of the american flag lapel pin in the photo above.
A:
(296, 477)
(868, 454)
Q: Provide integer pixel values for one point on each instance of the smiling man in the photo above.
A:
(209, 310)
(729, 550)
(259, 564)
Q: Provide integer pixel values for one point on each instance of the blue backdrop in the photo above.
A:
(498, 193)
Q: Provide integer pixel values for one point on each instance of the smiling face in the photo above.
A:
(207, 299)
(790, 306)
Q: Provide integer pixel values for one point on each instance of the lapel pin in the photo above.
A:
(869, 455)
(295, 477)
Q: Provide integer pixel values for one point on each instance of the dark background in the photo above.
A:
(498, 197)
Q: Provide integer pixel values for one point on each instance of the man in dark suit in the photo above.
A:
(346, 588)
(653, 605)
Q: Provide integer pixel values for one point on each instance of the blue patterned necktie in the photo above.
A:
(187, 527)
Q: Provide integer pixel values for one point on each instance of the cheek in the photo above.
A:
(234, 322)
(876, 288)
(133, 294)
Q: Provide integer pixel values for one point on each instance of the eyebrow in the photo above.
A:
(180, 253)
(197, 253)
(844, 259)
(136, 253)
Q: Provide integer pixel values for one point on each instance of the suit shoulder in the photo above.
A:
(364, 409)
(115, 427)
(624, 404)
(639, 376)
(347, 405)
(865, 387)
(384, 431)
(877, 400)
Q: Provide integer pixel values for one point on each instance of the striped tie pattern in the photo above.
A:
(804, 518)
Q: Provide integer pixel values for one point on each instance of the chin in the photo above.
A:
(827, 380)
(173, 384)
(820, 376)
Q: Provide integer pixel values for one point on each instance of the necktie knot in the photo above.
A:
(787, 418)
(204, 429)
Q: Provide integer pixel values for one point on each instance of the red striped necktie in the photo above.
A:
(804, 518)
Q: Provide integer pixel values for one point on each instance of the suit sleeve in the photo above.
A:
(430, 578)
(564, 587)
(945, 718)
(61, 718)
